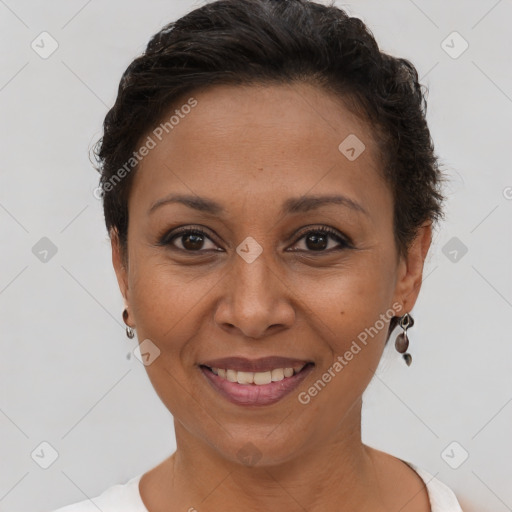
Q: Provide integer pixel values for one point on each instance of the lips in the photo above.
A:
(263, 364)
(255, 382)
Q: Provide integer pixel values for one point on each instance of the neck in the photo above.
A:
(323, 475)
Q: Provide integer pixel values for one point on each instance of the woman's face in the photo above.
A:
(263, 281)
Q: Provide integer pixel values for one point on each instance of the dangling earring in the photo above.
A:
(402, 341)
(129, 330)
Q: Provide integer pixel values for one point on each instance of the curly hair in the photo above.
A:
(262, 42)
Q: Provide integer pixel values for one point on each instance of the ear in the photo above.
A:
(410, 269)
(119, 264)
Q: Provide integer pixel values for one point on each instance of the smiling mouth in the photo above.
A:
(256, 378)
(245, 388)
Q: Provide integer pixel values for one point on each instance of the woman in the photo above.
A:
(270, 189)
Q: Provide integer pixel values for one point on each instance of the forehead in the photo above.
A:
(262, 141)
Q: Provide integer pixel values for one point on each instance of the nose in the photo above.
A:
(255, 299)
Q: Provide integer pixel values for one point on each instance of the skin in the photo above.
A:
(250, 149)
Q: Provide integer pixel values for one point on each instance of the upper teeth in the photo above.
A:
(258, 378)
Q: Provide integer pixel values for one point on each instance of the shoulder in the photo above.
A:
(442, 498)
(117, 498)
(428, 492)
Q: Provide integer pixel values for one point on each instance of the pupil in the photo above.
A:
(196, 241)
(315, 238)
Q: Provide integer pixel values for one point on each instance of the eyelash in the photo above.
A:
(167, 240)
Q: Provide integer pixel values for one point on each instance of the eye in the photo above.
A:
(191, 240)
(317, 240)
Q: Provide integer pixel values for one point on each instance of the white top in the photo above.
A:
(126, 497)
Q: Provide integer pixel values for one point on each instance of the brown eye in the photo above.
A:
(318, 240)
(191, 240)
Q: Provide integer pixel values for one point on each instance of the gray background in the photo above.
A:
(68, 376)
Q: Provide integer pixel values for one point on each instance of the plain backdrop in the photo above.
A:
(68, 376)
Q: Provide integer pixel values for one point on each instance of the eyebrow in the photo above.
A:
(292, 205)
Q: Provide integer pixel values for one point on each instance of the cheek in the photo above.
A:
(346, 302)
(165, 308)
(168, 304)
(351, 320)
